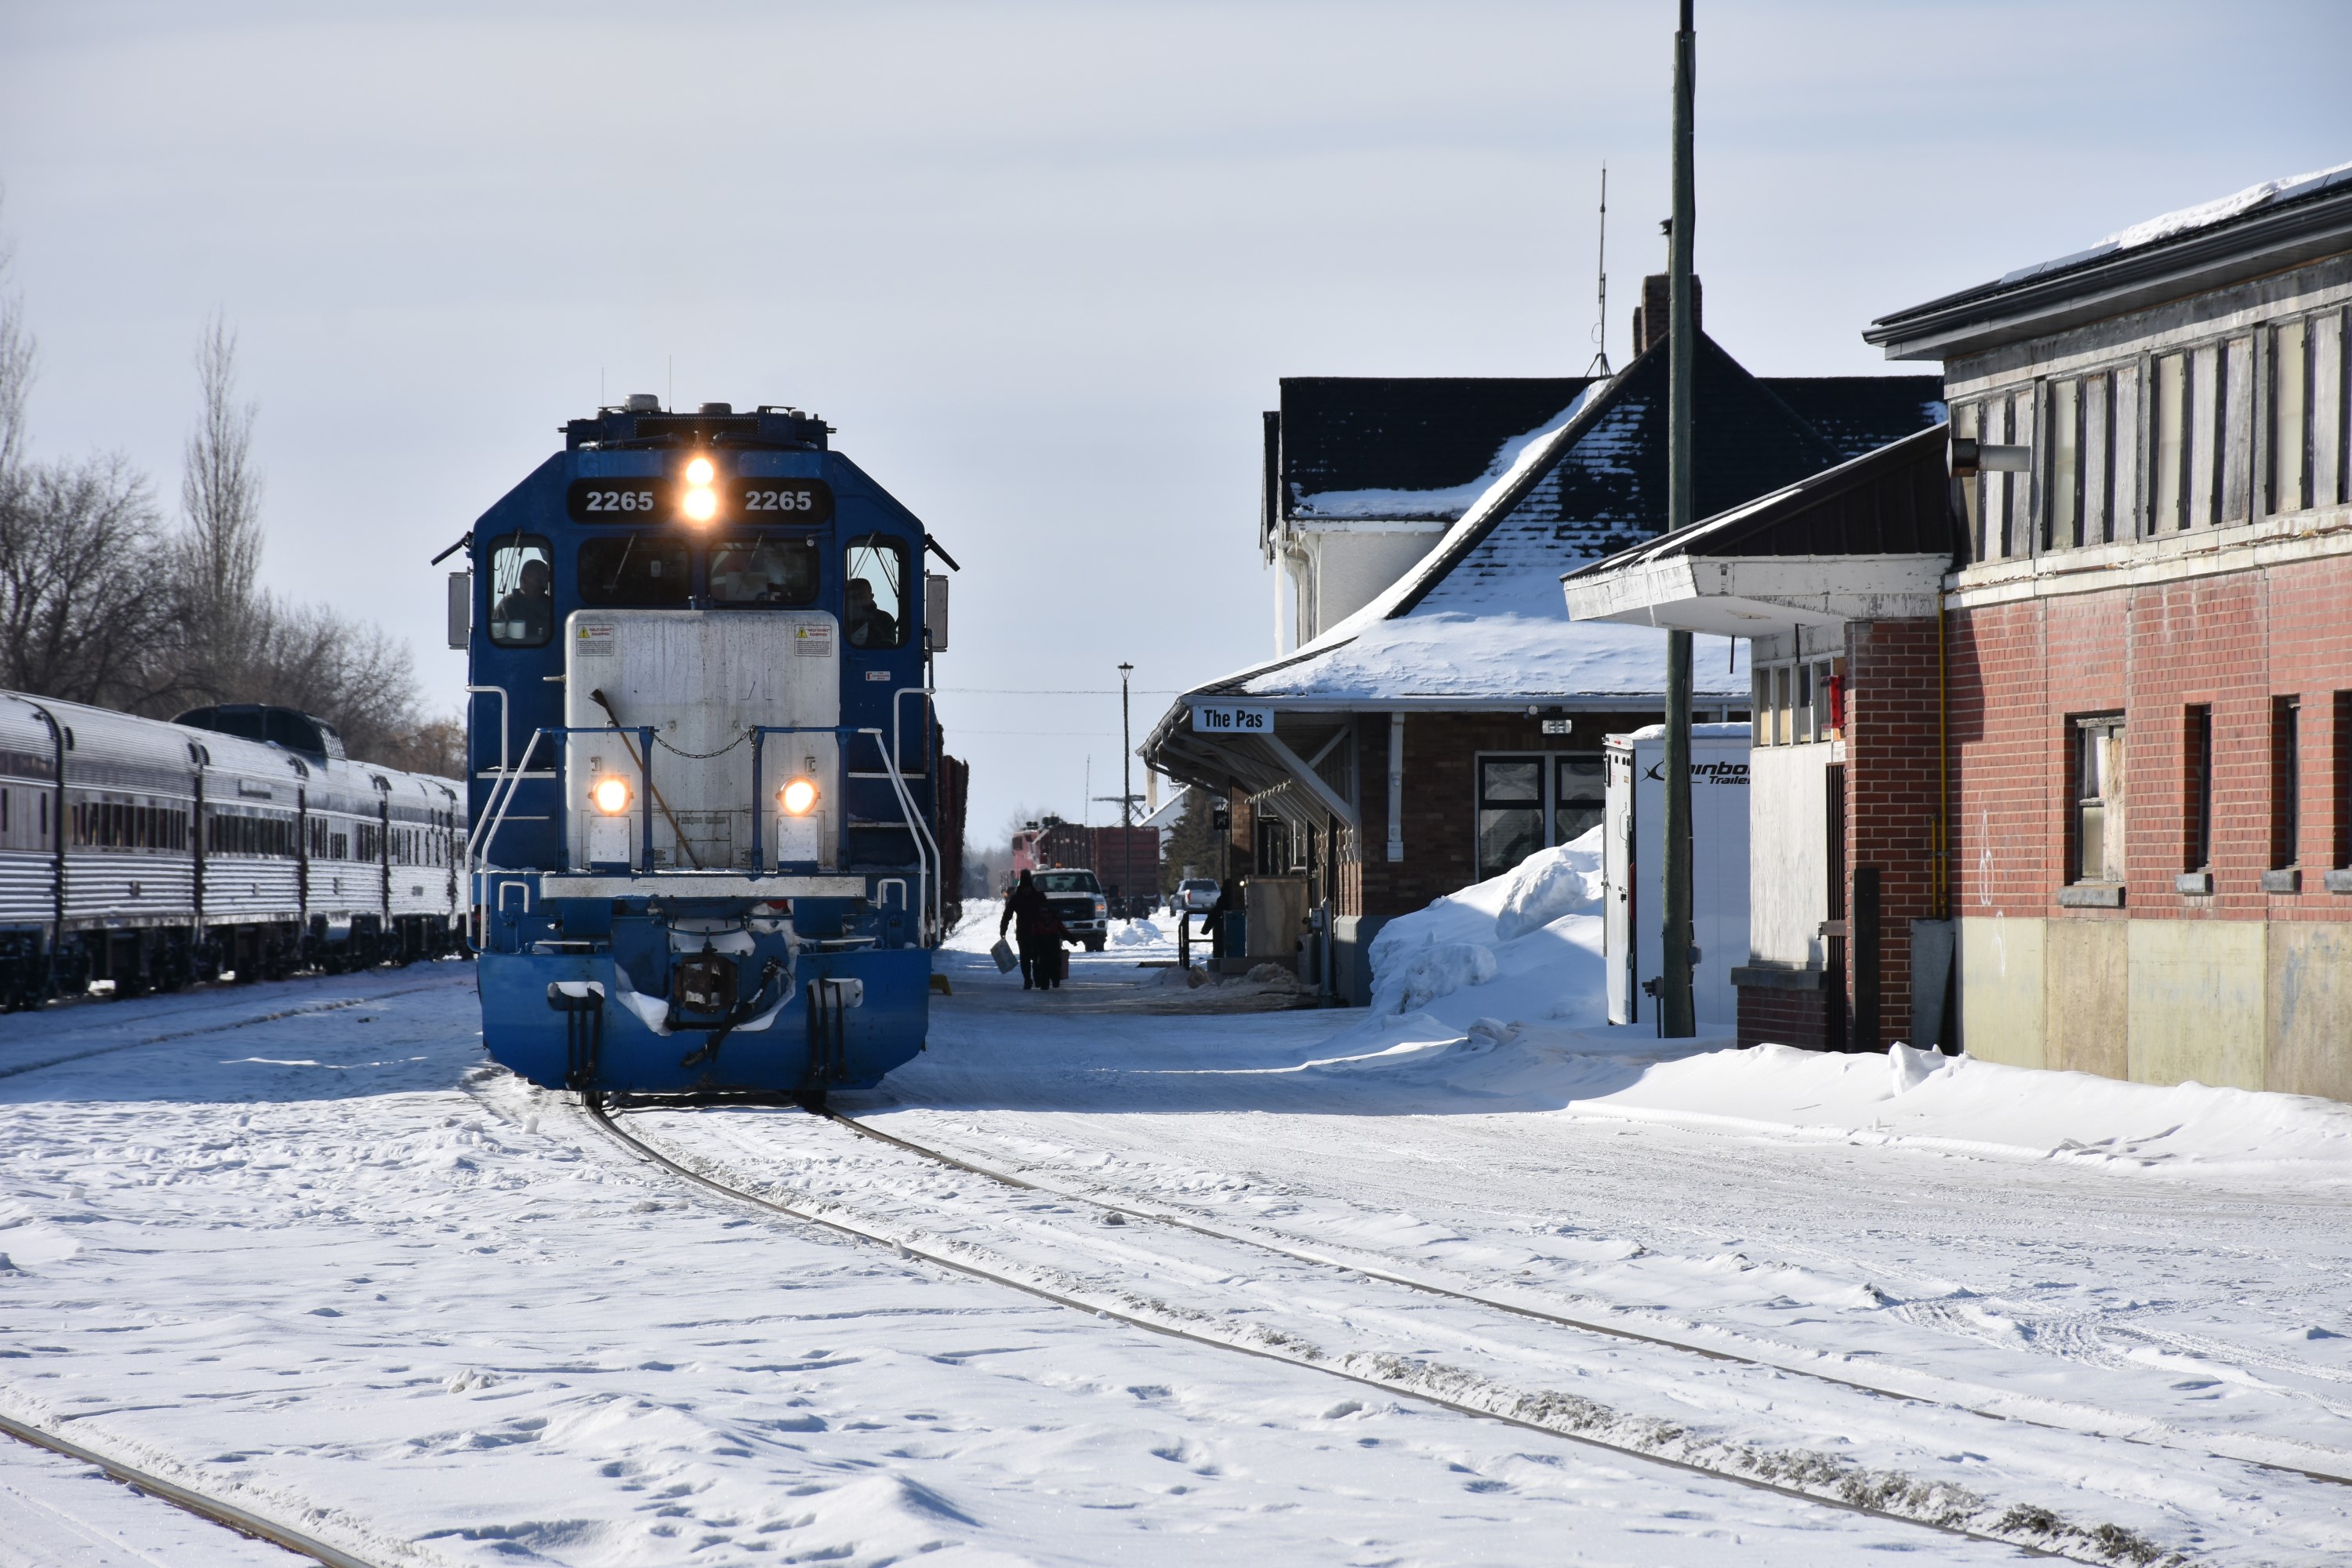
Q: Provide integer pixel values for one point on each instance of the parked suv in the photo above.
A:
(1078, 901)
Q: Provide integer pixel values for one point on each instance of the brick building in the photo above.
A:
(2144, 757)
(1452, 723)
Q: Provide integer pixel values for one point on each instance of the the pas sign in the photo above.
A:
(1232, 719)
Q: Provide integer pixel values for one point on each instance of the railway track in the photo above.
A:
(1923, 1389)
(203, 1506)
(1806, 1475)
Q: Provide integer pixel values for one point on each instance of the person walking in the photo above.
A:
(1032, 921)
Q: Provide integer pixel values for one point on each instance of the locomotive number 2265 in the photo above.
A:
(790, 500)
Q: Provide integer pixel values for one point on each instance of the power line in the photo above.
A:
(1050, 691)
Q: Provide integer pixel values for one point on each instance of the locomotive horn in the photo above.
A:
(647, 774)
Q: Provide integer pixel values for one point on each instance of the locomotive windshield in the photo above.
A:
(643, 569)
(872, 594)
(763, 571)
(522, 593)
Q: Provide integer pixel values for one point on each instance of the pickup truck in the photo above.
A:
(1078, 901)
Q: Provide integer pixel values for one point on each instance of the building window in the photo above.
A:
(1798, 703)
(2169, 447)
(1527, 801)
(2063, 468)
(1579, 796)
(2290, 432)
(1964, 427)
(1510, 812)
(2098, 769)
(2079, 470)
(2340, 794)
(2197, 789)
(2286, 780)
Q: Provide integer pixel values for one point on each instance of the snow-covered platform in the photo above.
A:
(332, 1266)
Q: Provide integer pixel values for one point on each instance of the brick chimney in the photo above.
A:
(1657, 304)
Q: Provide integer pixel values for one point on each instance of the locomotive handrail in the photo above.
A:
(939, 857)
(926, 887)
(486, 830)
(485, 690)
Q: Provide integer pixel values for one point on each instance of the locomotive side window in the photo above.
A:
(522, 592)
(763, 571)
(641, 569)
(873, 592)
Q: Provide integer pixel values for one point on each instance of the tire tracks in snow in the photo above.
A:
(1802, 1474)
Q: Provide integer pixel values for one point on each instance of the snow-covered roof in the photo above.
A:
(1480, 616)
(2191, 219)
(2264, 229)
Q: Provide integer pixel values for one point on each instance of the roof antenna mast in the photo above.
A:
(1599, 365)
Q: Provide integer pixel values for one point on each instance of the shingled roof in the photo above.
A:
(1422, 448)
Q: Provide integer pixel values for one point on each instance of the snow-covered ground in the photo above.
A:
(297, 1246)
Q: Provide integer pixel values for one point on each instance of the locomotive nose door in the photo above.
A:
(702, 680)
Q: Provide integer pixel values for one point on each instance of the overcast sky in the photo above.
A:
(1041, 264)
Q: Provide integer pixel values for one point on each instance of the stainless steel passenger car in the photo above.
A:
(239, 840)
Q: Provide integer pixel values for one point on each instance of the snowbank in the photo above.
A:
(1524, 945)
(1494, 995)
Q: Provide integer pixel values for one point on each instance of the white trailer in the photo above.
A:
(1634, 855)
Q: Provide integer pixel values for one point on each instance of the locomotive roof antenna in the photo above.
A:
(1599, 365)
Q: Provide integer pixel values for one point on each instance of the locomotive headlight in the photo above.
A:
(700, 503)
(797, 797)
(610, 795)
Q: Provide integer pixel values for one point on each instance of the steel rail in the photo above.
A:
(212, 1510)
(601, 1116)
(1537, 1314)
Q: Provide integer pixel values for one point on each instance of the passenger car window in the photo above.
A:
(522, 592)
(873, 592)
(763, 571)
(643, 569)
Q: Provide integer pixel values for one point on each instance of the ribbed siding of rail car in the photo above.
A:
(704, 764)
(378, 846)
(149, 853)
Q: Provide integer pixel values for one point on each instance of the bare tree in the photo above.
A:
(17, 365)
(220, 555)
(82, 611)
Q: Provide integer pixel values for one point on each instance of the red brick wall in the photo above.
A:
(1892, 803)
(1782, 1017)
(2020, 672)
(1441, 797)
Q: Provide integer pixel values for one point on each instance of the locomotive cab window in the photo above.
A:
(640, 569)
(522, 593)
(874, 592)
(763, 571)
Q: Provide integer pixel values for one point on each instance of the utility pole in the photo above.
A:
(1677, 1015)
(1126, 793)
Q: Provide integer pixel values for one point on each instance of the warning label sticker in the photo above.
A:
(590, 640)
(812, 639)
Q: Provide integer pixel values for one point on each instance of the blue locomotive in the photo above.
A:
(714, 831)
